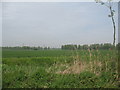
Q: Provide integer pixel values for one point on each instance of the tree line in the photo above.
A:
(68, 47)
(104, 46)
(27, 48)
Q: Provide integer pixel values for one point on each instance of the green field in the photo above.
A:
(59, 69)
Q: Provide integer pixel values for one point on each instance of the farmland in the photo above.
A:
(59, 68)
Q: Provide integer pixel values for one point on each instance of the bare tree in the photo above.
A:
(109, 6)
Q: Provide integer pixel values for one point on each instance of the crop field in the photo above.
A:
(59, 69)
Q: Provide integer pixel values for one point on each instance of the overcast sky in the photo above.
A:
(56, 24)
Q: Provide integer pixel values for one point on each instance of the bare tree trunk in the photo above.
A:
(114, 27)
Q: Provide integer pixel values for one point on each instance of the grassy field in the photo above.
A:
(59, 69)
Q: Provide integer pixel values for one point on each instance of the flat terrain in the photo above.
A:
(59, 68)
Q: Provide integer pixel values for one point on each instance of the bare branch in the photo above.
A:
(109, 5)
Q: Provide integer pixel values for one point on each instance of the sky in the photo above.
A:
(0, 24)
(56, 23)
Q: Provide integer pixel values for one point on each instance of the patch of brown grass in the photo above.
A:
(80, 66)
(75, 68)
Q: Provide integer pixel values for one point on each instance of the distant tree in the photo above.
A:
(69, 47)
(118, 46)
(109, 6)
(79, 47)
(107, 46)
(26, 47)
(40, 48)
(85, 47)
(92, 46)
(35, 48)
(62, 47)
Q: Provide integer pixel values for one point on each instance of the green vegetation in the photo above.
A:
(59, 68)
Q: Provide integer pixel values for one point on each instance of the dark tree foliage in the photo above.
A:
(69, 47)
